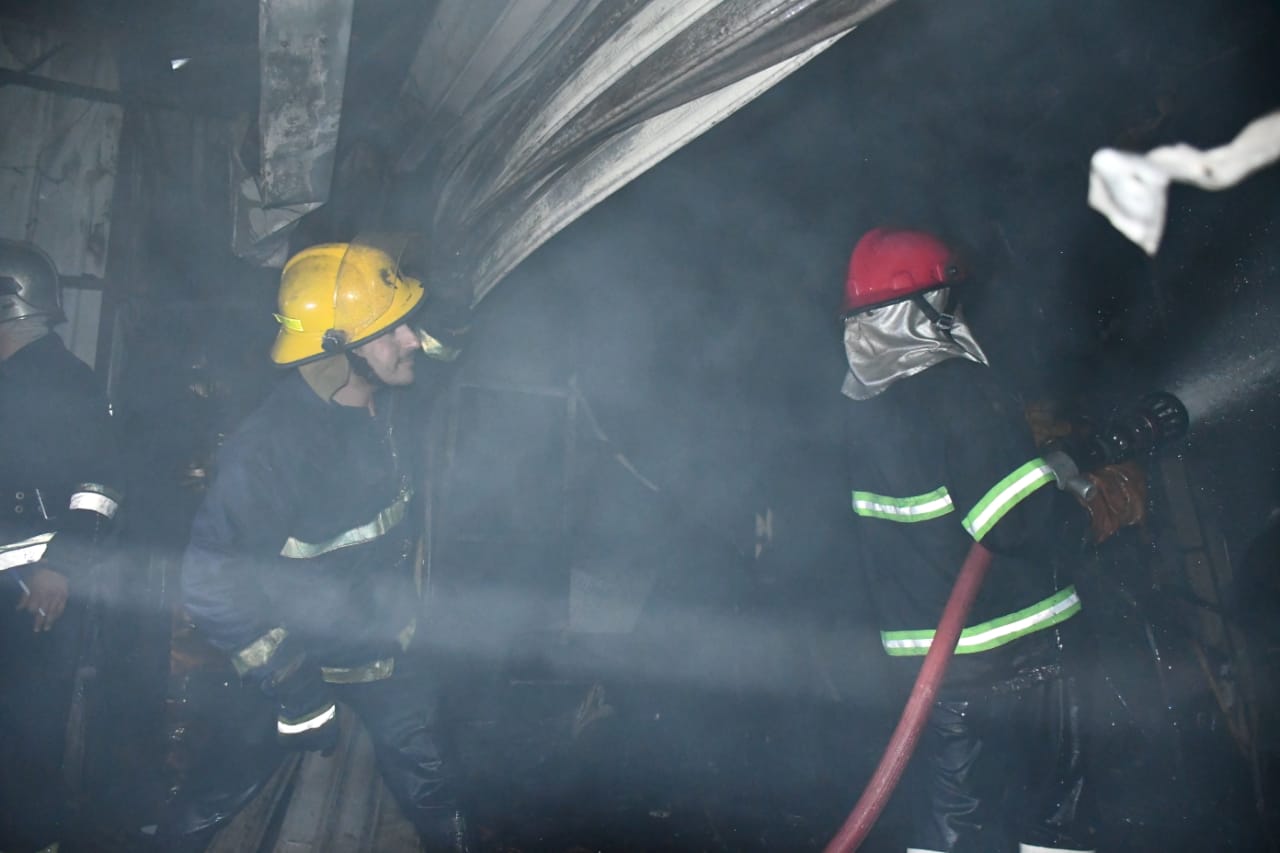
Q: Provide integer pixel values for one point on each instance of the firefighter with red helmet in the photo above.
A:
(301, 558)
(940, 455)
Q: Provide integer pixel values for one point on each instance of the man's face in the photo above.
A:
(391, 355)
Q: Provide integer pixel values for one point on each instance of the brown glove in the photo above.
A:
(1047, 422)
(1119, 499)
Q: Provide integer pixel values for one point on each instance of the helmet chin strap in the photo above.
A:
(360, 367)
(335, 341)
(945, 320)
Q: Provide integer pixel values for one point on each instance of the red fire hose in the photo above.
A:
(903, 743)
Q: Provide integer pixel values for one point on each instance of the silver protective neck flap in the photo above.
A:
(899, 340)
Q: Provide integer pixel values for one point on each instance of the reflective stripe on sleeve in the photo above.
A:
(381, 523)
(315, 721)
(1059, 607)
(1005, 495)
(363, 674)
(95, 498)
(24, 552)
(405, 637)
(917, 508)
(373, 671)
(259, 652)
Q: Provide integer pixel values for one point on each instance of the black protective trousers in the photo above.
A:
(37, 673)
(402, 715)
(1002, 767)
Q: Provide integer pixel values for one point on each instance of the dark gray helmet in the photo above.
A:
(28, 283)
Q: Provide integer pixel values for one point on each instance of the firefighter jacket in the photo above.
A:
(936, 462)
(307, 535)
(59, 469)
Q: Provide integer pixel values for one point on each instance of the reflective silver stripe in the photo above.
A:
(94, 502)
(382, 522)
(405, 637)
(307, 725)
(375, 671)
(916, 508)
(1036, 848)
(24, 552)
(95, 497)
(1059, 607)
(1005, 495)
(362, 674)
(259, 652)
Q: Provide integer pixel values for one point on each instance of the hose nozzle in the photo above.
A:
(1156, 420)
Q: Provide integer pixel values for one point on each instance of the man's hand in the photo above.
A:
(1119, 500)
(45, 597)
(1047, 423)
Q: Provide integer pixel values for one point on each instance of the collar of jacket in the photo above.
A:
(40, 340)
(319, 381)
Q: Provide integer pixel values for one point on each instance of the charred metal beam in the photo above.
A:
(303, 46)
(302, 53)
(10, 77)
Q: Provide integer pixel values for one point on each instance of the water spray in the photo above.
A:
(1224, 386)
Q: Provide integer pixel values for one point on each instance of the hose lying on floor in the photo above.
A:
(903, 743)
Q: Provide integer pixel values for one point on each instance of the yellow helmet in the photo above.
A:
(336, 296)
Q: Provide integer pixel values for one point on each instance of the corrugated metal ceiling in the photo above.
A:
(515, 118)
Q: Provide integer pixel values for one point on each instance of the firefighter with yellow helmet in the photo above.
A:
(301, 558)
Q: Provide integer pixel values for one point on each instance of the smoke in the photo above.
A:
(694, 313)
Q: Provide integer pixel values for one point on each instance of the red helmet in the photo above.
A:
(887, 266)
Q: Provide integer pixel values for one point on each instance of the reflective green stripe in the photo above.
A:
(1005, 495)
(1059, 607)
(918, 508)
(289, 323)
(382, 522)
